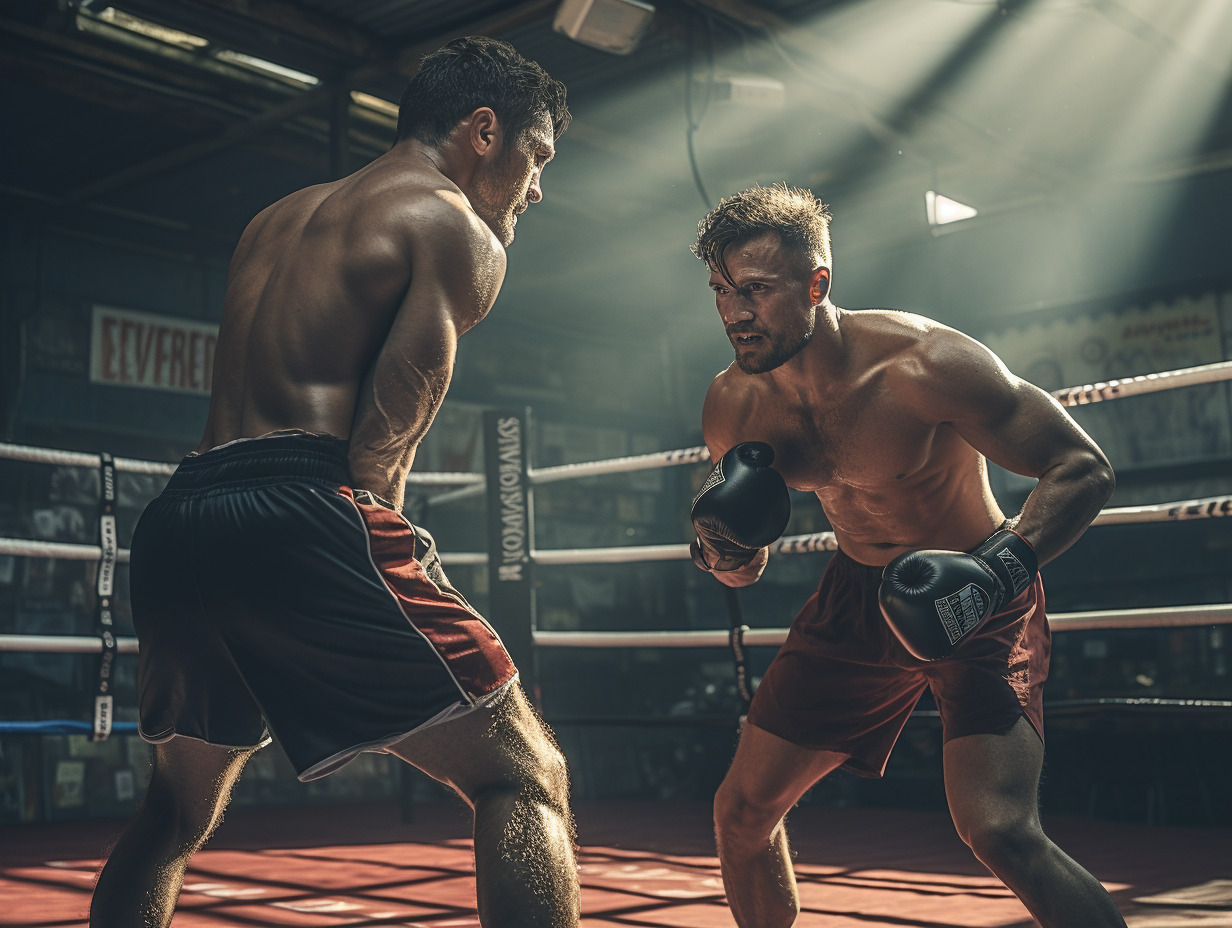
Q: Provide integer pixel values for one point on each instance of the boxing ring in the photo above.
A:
(855, 866)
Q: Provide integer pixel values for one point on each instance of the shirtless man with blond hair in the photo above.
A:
(276, 587)
(889, 418)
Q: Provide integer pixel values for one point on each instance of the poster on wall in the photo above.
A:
(136, 349)
(1187, 424)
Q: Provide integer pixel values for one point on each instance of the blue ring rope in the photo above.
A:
(59, 727)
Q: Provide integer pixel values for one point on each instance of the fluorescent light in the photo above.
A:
(367, 101)
(151, 30)
(941, 210)
(266, 67)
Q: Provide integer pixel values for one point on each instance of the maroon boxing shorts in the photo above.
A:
(267, 593)
(843, 682)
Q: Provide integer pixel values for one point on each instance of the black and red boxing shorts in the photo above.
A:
(267, 593)
(843, 682)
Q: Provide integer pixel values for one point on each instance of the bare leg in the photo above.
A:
(992, 784)
(503, 762)
(189, 789)
(767, 777)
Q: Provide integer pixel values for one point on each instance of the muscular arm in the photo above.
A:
(456, 271)
(718, 432)
(1019, 427)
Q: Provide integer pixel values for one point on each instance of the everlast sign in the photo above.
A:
(511, 494)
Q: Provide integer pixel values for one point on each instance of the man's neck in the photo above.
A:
(821, 364)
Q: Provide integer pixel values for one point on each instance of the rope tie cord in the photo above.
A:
(104, 701)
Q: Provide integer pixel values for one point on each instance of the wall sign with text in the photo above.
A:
(136, 349)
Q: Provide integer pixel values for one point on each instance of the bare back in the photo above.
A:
(342, 307)
(892, 442)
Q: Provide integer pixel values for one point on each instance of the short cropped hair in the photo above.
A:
(476, 71)
(801, 221)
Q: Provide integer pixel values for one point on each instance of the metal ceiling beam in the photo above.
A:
(289, 18)
(90, 50)
(524, 13)
(407, 61)
(274, 116)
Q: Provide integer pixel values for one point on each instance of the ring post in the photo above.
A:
(510, 532)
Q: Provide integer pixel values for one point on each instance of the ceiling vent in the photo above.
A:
(611, 25)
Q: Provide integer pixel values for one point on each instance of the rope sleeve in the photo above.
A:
(104, 701)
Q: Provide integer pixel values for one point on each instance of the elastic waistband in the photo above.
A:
(844, 561)
(276, 457)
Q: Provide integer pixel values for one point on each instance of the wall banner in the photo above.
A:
(1185, 425)
(136, 349)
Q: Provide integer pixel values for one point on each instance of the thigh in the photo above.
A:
(343, 637)
(997, 675)
(837, 684)
(771, 773)
(502, 741)
(820, 703)
(187, 683)
(994, 778)
(191, 780)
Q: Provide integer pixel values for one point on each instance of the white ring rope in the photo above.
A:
(623, 465)
(445, 479)
(61, 551)
(1210, 507)
(472, 484)
(80, 459)
(1143, 383)
(475, 489)
(1069, 396)
(1207, 508)
(63, 644)
(1175, 617)
(34, 455)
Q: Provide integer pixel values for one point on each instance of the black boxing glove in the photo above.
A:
(933, 600)
(742, 507)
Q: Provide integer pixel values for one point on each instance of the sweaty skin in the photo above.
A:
(889, 418)
(345, 301)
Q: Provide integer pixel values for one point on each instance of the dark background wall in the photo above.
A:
(1102, 182)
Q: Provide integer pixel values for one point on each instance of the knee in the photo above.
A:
(1003, 843)
(742, 816)
(548, 774)
(185, 821)
(533, 769)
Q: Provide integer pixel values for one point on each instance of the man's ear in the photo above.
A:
(819, 286)
(484, 131)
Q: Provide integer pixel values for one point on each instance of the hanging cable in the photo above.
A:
(694, 122)
(735, 641)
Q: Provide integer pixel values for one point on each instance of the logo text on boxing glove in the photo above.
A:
(962, 611)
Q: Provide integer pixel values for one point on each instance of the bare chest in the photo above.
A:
(859, 443)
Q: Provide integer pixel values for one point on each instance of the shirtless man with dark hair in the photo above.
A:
(888, 418)
(276, 586)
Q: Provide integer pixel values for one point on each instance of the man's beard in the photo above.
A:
(495, 204)
(782, 349)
